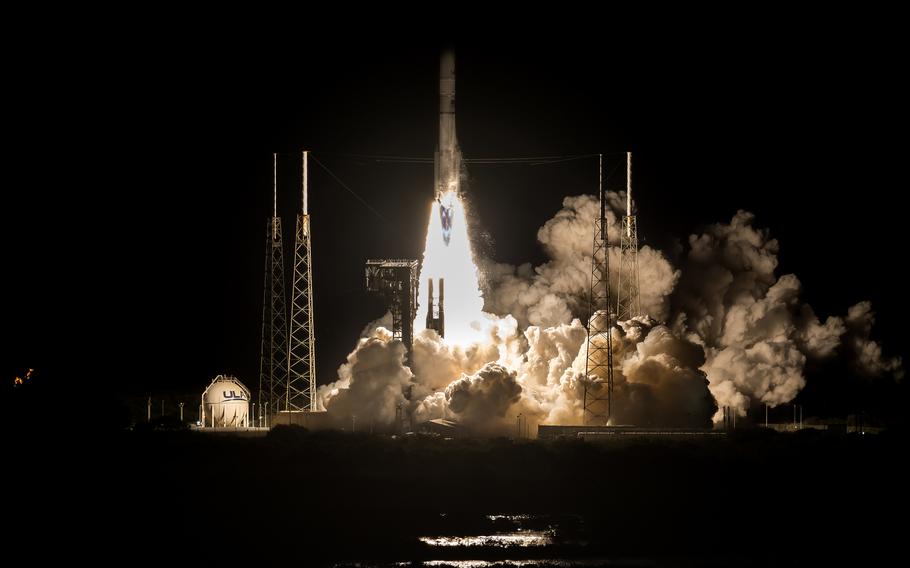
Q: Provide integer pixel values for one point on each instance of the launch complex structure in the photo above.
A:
(287, 378)
(604, 313)
(287, 370)
(397, 279)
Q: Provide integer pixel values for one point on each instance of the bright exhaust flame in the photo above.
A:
(448, 255)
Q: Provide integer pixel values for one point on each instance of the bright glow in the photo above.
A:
(506, 540)
(518, 563)
(513, 518)
(454, 262)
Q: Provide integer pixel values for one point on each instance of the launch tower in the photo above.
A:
(396, 280)
(628, 299)
(299, 392)
(598, 392)
(273, 370)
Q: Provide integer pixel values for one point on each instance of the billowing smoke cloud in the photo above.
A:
(482, 400)
(868, 359)
(557, 291)
(371, 384)
(539, 373)
(660, 383)
(438, 363)
(736, 335)
(756, 332)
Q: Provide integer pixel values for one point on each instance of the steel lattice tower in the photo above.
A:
(598, 393)
(396, 279)
(628, 299)
(299, 393)
(273, 370)
(265, 373)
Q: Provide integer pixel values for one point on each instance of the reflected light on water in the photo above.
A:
(517, 563)
(521, 539)
(508, 517)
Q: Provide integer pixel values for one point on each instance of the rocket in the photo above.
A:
(448, 154)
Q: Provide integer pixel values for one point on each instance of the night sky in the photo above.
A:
(140, 183)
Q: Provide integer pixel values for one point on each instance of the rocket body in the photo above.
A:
(448, 154)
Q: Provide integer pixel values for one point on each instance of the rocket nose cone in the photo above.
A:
(447, 61)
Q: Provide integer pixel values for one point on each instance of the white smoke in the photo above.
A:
(756, 331)
(557, 291)
(371, 384)
(660, 383)
(738, 335)
(482, 400)
(868, 358)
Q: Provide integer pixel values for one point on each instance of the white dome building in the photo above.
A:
(225, 403)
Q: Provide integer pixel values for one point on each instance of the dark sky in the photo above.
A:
(140, 183)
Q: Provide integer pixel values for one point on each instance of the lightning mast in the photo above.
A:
(628, 299)
(299, 392)
(598, 392)
(273, 370)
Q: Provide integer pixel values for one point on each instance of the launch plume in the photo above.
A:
(722, 330)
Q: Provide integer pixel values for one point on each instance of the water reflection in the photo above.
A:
(520, 539)
(514, 518)
(582, 563)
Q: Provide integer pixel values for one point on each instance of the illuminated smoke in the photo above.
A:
(660, 382)
(557, 291)
(756, 332)
(371, 384)
(454, 262)
(868, 359)
(482, 400)
(736, 334)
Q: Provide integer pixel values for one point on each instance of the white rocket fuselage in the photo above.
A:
(448, 155)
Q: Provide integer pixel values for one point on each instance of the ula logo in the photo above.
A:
(231, 395)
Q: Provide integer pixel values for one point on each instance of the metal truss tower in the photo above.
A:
(396, 279)
(265, 350)
(598, 392)
(273, 370)
(628, 299)
(299, 392)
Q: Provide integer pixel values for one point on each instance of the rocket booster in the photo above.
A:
(448, 155)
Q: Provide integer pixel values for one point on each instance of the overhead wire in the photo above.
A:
(527, 160)
(519, 160)
(351, 191)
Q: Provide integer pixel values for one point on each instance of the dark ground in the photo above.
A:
(164, 497)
